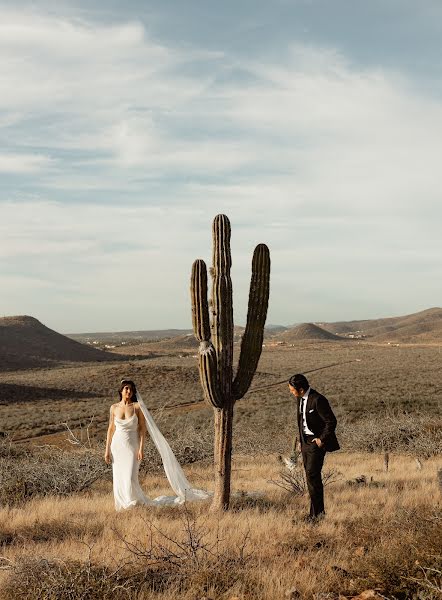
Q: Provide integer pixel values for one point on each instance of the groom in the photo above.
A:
(317, 424)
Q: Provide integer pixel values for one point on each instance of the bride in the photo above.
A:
(129, 420)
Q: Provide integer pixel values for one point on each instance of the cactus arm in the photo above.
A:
(201, 329)
(251, 345)
(200, 308)
(209, 374)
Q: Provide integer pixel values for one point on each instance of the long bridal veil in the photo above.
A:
(174, 473)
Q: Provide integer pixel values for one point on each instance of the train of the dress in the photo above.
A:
(184, 492)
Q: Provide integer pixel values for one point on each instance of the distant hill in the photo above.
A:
(180, 342)
(273, 330)
(420, 327)
(27, 343)
(148, 341)
(130, 337)
(186, 341)
(306, 331)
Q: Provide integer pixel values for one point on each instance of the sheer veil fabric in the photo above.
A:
(174, 473)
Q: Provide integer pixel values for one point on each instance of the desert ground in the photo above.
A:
(382, 530)
(368, 380)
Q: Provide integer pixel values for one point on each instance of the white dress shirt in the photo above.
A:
(303, 408)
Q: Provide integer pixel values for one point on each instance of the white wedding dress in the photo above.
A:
(125, 466)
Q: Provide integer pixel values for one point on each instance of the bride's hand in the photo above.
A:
(107, 457)
(140, 455)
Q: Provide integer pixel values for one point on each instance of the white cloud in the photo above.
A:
(122, 100)
(88, 87)
(135, 262)
(335, 167)
(23, 163)
(363, 140)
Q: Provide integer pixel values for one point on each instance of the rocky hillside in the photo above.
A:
(306, 331)
(27, 343)
(421, 327)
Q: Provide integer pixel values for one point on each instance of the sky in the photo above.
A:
(125, 127)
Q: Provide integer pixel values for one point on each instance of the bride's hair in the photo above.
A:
(133, 387)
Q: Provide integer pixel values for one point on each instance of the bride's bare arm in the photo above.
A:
(141, 433)
(110, 433)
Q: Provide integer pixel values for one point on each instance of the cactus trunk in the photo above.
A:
(216, 343)
(222, 458)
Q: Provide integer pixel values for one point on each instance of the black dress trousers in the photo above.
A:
(313, 458)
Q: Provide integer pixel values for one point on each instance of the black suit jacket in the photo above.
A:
(320, 419)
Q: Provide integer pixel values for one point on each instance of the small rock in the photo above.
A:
(367, 595)
(303, 562)
(360, 551)
(340, 570)
(6, 539)
(359, 480)
(292, 594)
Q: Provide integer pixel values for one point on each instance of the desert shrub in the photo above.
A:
(41, 579)
(192, 441)
(417, 435)
(25, 474)
(49, 531)
(198, 562)
(9, 450)
(292, 478)
(188, 443)
(263, 438)
(199, 559)
(257, 501)
(405, 565)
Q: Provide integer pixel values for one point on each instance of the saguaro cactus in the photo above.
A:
(215, 334)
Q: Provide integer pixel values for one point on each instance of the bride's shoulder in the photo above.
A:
(138, 411)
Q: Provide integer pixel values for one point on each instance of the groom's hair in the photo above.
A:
(299, 381)
(133, 387)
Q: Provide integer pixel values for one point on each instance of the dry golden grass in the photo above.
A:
(373, 537)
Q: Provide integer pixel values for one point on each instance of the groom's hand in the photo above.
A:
(318, 442)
